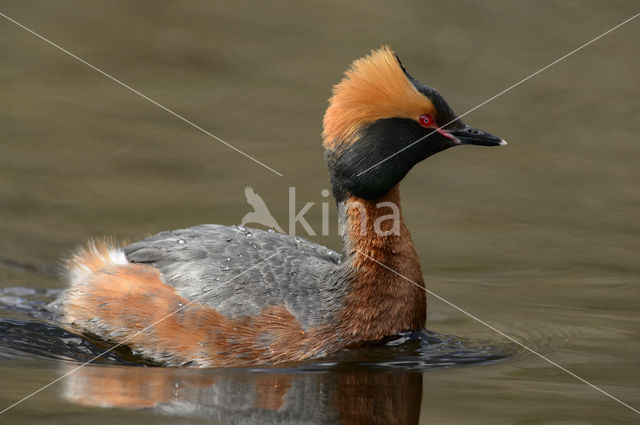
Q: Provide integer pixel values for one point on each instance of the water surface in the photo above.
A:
(538, 239)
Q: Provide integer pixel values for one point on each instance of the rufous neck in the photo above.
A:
(386, 285)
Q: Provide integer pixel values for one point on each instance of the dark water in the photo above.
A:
(539, 239)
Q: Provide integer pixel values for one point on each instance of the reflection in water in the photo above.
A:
(344, 397)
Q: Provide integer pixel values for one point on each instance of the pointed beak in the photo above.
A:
(468, 135)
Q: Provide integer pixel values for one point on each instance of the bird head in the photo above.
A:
(381, 122)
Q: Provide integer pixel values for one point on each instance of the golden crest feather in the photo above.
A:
(373, 88)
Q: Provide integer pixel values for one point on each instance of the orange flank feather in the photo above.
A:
(132, 305)
(373, 88)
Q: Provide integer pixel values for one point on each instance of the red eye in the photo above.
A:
(425, 120)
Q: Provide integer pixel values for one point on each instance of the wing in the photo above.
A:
(241, 271)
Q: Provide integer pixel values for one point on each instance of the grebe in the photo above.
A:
(269, 298)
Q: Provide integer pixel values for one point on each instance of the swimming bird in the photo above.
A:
(217, 296)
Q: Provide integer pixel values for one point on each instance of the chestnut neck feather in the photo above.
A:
(379, 302)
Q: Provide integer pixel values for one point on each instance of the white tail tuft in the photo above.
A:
(94, 256)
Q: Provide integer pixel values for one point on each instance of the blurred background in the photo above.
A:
(540, 238)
